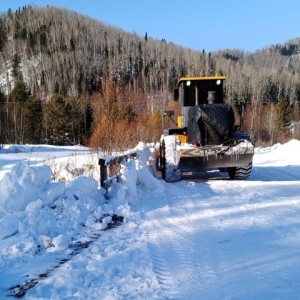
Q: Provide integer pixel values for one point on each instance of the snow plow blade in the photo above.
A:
(215, 157)
(176, 158)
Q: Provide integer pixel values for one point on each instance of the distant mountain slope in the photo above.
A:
(56, 50)
(60, 51)
(277, 56)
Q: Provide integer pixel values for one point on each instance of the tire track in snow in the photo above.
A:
(174, 254)
(180, 259)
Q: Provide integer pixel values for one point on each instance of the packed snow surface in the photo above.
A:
(205, 237)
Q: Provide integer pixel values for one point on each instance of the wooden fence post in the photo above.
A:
(103, 171)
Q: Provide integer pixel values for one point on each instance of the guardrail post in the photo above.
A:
(103, 171)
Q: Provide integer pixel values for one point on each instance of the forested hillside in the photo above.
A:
(62, 72)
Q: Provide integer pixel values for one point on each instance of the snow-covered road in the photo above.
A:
(196, 239)
(227, 240)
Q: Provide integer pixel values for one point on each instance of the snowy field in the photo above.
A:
(202, 238)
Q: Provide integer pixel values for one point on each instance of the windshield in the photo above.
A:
(200, 92)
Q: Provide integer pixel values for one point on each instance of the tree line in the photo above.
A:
(68, 78)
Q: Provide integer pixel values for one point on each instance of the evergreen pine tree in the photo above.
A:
(34, 121)
(283, 113)
(16, 72)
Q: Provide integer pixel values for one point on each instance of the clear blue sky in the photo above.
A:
(197, 24)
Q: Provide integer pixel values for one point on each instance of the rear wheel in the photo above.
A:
(240, 173)
(169, 159)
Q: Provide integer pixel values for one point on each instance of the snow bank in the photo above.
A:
(45, 214)
(282, 154)
(25, 184)
(146, 168)
(129, 180)
(8, 226)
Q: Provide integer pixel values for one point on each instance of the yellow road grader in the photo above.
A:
(205, 136)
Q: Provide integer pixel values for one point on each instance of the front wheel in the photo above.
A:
(169, 159)
(240, 173)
